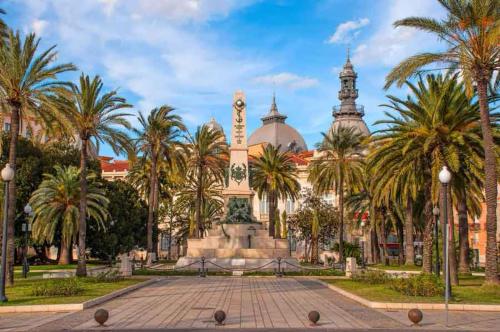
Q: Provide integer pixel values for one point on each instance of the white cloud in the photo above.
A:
(287, 80)
(39, 26)
(347, 31)
(388, 45)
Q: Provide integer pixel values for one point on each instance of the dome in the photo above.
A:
(212, 124)
(275, 131)
(353, 122)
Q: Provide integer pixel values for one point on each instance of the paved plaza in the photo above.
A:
(188, 303)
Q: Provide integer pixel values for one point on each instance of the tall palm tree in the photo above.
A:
(471, 32)
(28, 84)
(95, 118)
(339, 167)
(206, 157)
(56, 207)
(275, 174)
(3, 26)
(437, 125)
(159, 141)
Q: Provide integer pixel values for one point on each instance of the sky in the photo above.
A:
(194, 54)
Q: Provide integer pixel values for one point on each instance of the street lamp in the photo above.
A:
(26, 229)
(362, 241)
(444, 178)
(435, 212)
(7, 176)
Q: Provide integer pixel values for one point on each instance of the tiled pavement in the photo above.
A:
(188, 303)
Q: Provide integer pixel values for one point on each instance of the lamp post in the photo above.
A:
(435, 212)
(26, 229)
(444, 178)
(7, 176)
(362, 242)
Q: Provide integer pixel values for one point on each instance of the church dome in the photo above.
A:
(212, 124)
(275, 131)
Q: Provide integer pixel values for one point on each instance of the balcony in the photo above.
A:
(360, 111)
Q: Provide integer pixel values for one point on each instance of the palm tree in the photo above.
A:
(56, 207)
(339, 167)
(3, 26)
(207, 158)
(275, 174)
(471, 31)
(159, 141)
(94, 118)
(28, 83)
(436, 126)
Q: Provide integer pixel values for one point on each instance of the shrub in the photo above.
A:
(108, 276)
(372, 277)
(57, 287)
(418, 285)
(350, 250)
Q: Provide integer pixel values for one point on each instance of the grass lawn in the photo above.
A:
(20, 293)
(397, 267)
(52, 267)
(470, 291)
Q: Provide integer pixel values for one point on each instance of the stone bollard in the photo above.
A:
(125, 265)
(350, 267)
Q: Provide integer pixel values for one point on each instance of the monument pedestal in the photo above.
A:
(238, 247)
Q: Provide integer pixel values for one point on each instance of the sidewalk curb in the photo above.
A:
(75, 306)
(423, 306)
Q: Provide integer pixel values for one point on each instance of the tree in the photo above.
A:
(437, 125)
(28, 83)
(159, 141)
(275, 174)
(471, 33)
(206, 159)
(126, 226)
(93, 116)
(304, 225)
(56, 207)
(339, 167)
(3, 26)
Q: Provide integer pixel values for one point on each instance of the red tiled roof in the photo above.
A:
(110, 165)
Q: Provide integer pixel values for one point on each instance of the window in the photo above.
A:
(290, 206)
(164, 242)
(475, 239)
(328, 198)
(6, 126)
(29, 132)
(264, 205)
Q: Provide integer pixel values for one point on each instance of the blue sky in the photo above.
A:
(193, 54)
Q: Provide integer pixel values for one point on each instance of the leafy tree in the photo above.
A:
(3, 26)
(206, 159)
(301, 222)
(93, 116)
(126, 226)
(56, 207)
(339, 168)
(275, 174)
(28, 83)
(471, 33)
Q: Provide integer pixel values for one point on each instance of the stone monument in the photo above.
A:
(238, 242)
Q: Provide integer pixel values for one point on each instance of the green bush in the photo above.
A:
(57, 287)
(350, 250)
(108, 276)
(418, 285)
(372, 277)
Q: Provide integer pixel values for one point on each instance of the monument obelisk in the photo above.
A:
(238, 184)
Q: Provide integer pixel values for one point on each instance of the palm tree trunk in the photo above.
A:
(65, 253)
(11, 212)
(199, 194)
(463, 236)
(399, 227)
(409, 248)
(429, 225)
(383, 239)
(452, 248)
(490, 183)
(81, 269)
(272, 213)
(151, 208)
(314, 250)
(341, 219)
(375, 243)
